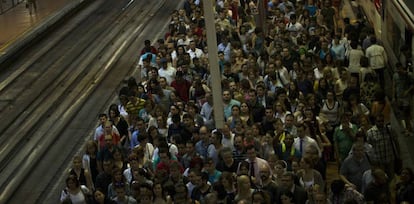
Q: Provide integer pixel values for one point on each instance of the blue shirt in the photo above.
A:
(201, 149)
(134, 139)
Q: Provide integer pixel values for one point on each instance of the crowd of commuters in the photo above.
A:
(301, 87)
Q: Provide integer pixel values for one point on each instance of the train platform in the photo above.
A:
(18, 26)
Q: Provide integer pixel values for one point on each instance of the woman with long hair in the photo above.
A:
(100, 198)
(245, 114)
(74, 192)
(159, 195)
(120, 123)
(83, 175)
(89, 159)
(235, 115)
(119, 158)
(309, 176)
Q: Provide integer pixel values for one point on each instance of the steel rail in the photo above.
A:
(65, 110)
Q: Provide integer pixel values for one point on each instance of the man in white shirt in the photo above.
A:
(377, 58)
(166, 71)
(228, 137)
(194, 51)
(255, 163)
(303, 140)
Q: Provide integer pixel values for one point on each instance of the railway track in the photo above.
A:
(50, 96)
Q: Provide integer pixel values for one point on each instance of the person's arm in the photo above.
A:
(325, 141)
(64, 195)
(347, 182)
(89, 182)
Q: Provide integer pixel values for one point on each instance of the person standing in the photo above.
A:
(402, 90)
(382, 141)
(377, 58)
(31, 5)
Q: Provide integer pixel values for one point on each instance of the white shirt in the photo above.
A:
(228, 142)
(196, 53)
(168, 73)
(354, 57)
(377, 56)
(307, 141)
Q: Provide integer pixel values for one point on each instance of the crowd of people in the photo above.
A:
(302, 87)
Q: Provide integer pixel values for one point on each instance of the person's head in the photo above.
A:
(238, 142)
(251, 152)
(108, 127)
(243, 182)
(379, 121)
(91, 147)
(235, 110)
(226, 95)
(358, 150)
(278, 124)
(244, 108)
(243, 168)
(302, 130)
(103, 118)
(113, 111)
(265, 173)
(311, 151)
(134, 159)
(72, 182)
(280, 167)
(211, 198)
(320, 198)
(108, 141)
(181, 193)
(289, 120)
(204, 133)
(360, 136)
(260, 197)
(380, 177)
(189, 146)
(175, 169)
(295, 166)
(306, 162)
(158, 189)
(407, 175)
(99, 195)
(120, 190)
(108, 165)
(286, 197)
(77, 162)
(288, 179)
(227, 155)
(117, 175)
(164, 154)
